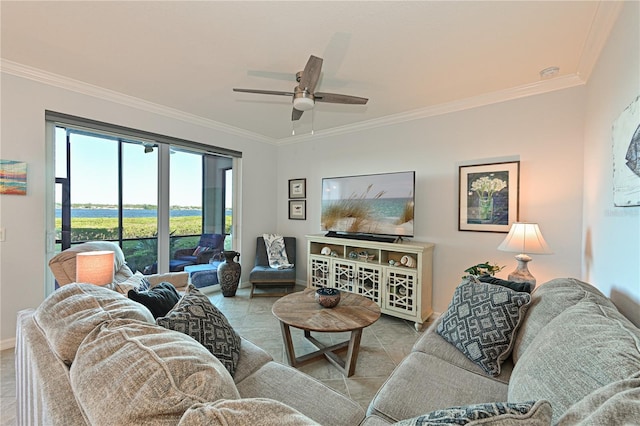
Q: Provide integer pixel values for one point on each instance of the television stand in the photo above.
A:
(379, 271)
(364, 237)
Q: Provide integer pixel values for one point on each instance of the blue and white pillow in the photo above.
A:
(481, 322)
(529, 413)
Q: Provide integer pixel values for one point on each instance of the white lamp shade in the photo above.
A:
(525, 238)
(303, 103)
(95, 267)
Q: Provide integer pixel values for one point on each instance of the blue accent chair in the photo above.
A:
(263, 275)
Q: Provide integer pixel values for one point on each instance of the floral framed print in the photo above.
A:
(489, 197)
(298, 209)
(297, 188)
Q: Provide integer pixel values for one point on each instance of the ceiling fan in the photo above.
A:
(304, 94)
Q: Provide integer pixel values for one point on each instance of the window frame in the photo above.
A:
(164, 144)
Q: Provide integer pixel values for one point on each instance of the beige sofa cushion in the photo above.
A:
(63, 265)
(249, 411)
(424, 382)
(287, 385)
(547, 302)
(433, 344)
(251, 359)
(73, 311)
(584, 348)
(152, 375)
(180, 280)
(617, 403)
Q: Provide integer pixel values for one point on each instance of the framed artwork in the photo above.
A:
(13, 177)
(297, 209)
(489, 197)
(297, 188)
(626, 156)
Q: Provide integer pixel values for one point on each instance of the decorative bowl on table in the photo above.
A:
(328, 297)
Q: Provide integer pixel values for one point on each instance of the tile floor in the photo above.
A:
(384, 344)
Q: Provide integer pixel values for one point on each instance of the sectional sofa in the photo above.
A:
(562, 355)
(572, 358)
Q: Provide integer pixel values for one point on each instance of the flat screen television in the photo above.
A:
(375, 205)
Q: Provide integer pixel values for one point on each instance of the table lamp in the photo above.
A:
(95, 267)
(524, 238)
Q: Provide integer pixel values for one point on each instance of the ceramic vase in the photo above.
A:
(229, 273)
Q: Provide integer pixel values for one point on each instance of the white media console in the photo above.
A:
(396, 276)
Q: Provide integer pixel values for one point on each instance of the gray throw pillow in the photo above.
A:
(159, 299)
(513, 285)
(481, 322)
(530, 413)
(195, 315)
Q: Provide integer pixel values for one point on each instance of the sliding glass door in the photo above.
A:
(151, 198)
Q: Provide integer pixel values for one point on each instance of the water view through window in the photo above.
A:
(108, 188)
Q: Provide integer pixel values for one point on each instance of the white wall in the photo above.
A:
(23, 265)
(544, 132)
(611, 243)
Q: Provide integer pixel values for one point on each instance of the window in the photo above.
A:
(151, 195)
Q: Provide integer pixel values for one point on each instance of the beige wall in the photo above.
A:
(544, 132)
(611, 235)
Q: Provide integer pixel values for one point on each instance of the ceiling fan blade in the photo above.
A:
(264, 92)
(311, 74)
(296, 114)
(336, 98)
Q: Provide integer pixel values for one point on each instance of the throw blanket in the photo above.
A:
(276, 251)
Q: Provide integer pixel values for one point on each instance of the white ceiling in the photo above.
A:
(410, 58)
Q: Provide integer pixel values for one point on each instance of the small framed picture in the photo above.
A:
(297, 209)
(298, 188)
(489, 197)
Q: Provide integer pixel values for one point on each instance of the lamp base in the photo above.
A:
(521, 274)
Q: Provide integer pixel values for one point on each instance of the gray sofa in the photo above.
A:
(90, 356)
(573, 353)
(572, 349)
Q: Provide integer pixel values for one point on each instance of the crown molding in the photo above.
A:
(518, 92)
(602, 24)
(30, 73)
(531, 89)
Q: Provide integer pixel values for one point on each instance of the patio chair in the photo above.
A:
(262, 275)
(209, 246)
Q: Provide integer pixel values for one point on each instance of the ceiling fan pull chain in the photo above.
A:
(313, 117)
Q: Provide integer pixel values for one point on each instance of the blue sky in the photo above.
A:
(94, 176)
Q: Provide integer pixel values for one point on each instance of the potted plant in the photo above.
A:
(485, 268)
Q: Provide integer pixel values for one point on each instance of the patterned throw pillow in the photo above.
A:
(481, 322)
(201, 249)
(496, 413)
(195, 316)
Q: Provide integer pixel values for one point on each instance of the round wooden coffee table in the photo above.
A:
(300, 310)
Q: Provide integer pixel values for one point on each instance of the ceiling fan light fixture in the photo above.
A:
(303, 103)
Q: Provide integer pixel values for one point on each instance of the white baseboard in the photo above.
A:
(7, 344)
